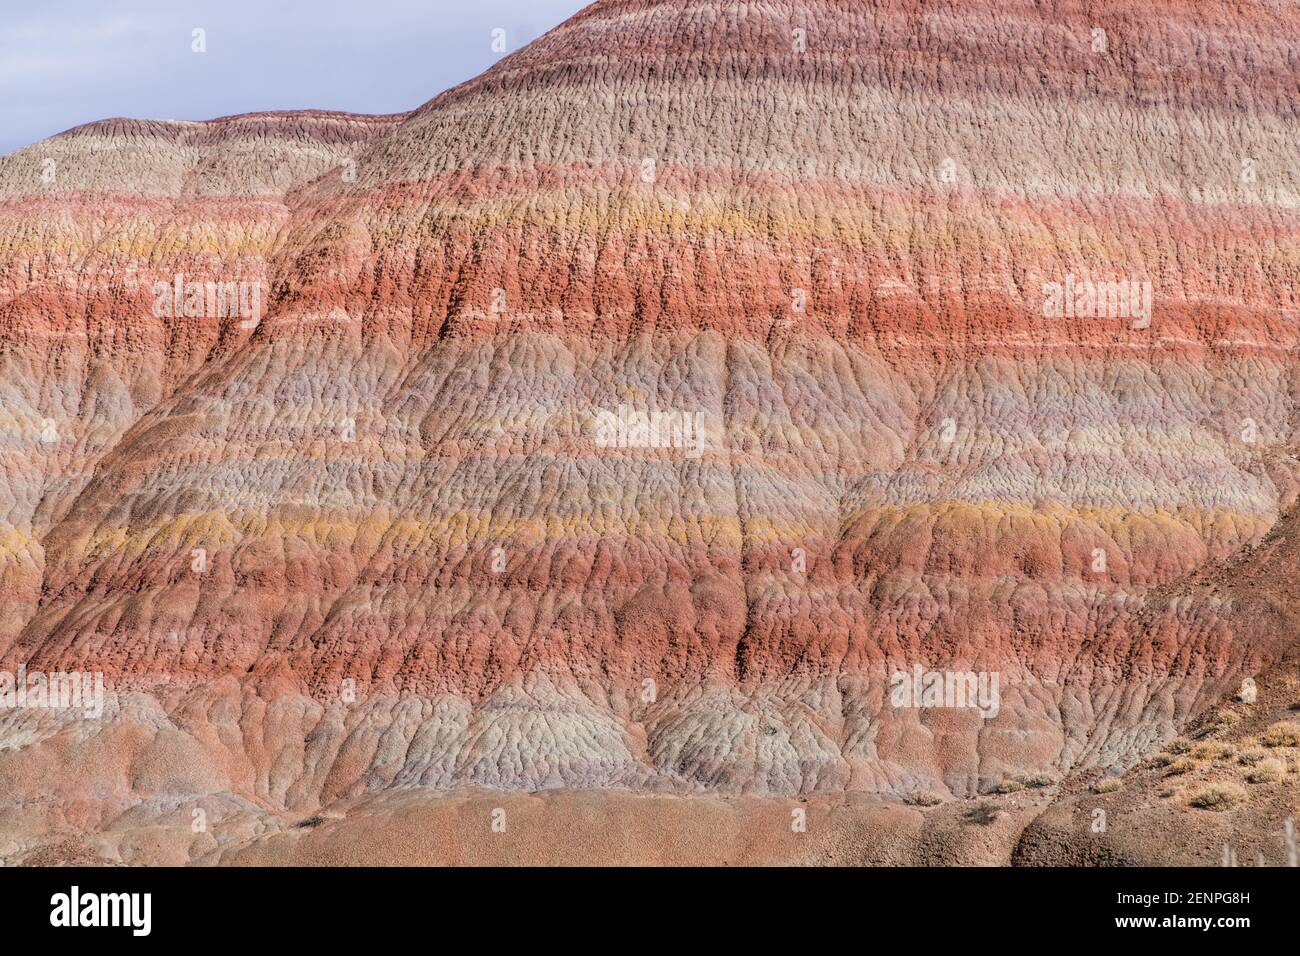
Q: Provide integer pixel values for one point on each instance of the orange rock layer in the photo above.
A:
(633, 413)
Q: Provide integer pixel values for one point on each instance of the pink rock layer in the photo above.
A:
(379, 534)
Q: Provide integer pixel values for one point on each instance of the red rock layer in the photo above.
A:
(822, 233)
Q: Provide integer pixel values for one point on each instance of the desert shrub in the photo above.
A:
(1266, 771)
(922, 799)
(1285, 733)
(1251, 755)
(1179, 746)
(1107, 785)
(1039, 780)
(983, 813)
(1181, 766)
(1212, 723)
(1009, 786)
(1212, 751)
(1217, 796)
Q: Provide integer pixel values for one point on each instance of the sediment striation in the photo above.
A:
(970, 327)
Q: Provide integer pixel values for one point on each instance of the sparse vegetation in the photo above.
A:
(1212, 751)
(983, 813)
(1179, 746)
(922, 799)
(1225, 718)
(1285, 733)
(1252, 755)
(1160, 760)
(1039, 780)
(1010, 786)
(1181, 766)
(310, 823)
(1107, 785)
(1217, 796)
(1267, 771)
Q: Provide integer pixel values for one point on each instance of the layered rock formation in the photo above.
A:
(629, 415)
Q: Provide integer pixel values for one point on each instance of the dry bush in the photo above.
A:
(1217, 796)
(1107, 785)
(1267, 771)
(1212, 751)
(922, 799)
(983, 813)
(1252, 755)
(1182, 766)
(1212, 723)
(1285, 733)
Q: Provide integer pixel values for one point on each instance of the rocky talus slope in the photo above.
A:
(388, 520)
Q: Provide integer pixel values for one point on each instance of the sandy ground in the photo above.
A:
(590, 828)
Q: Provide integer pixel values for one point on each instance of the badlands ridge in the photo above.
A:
(617, 424)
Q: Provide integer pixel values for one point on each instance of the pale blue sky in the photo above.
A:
(67, 62)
